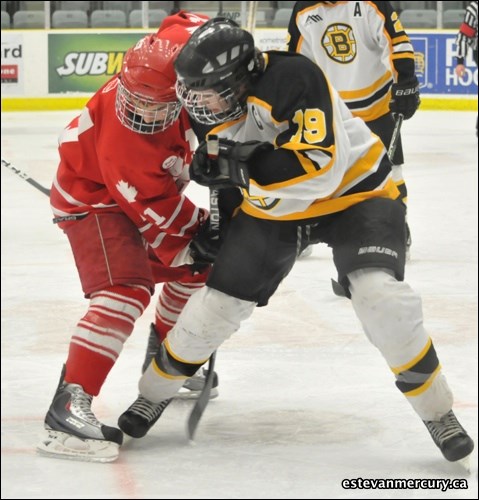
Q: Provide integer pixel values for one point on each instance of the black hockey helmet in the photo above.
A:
(218, 64)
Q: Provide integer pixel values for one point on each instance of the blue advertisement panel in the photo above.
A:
(435, 63)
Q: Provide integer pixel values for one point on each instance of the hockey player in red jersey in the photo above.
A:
(310, 172)
(118, 195)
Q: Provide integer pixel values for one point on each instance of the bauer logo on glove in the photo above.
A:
(405, 98)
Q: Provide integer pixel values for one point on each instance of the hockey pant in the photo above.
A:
(391, 316)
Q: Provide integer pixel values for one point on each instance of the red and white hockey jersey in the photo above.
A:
(105, 166)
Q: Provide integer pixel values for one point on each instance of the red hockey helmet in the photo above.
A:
(146, 101)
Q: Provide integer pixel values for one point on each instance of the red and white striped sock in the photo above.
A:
(99, 336)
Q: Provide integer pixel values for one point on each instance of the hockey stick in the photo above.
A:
(44, 190)
(338, 289)
(395, 137)
(25, 177)
(204, 397)
(252, 8)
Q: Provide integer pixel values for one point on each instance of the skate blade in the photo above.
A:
(465, 463)
(186, 394)
(56, 444)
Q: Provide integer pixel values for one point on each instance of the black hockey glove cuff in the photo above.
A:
(230, 168)
(405, 98)
(205, 245)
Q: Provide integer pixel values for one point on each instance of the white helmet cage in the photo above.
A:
(143, 114)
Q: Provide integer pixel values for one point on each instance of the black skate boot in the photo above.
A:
(73, 431)
(193, 386)
(450, 437)
(141, 416)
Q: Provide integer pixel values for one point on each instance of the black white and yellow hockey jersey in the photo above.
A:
(325, 160)
(361, 46)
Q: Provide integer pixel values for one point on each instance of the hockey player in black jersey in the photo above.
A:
(309, 172)
(369, 59)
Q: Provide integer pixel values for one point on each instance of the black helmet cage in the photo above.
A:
(219, 59)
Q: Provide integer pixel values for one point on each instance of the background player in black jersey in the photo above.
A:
(369, 59)
(309, 172)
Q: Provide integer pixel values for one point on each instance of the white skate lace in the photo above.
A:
(147, 409)
(81, 406)
(445, 428)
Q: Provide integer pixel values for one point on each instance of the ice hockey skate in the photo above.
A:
(451, 438)
(72, 431)
(141, 416)
(194, 385)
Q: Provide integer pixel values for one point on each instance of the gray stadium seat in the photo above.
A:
(28, 19)
(281, 18)
(155, 17)
(453, 18)
(262, 19)
(166, 6)
(69, 19)
(108, 19)
(5, 20)
(414, 5)
(117, 5)
(418, 18)
(201, 6)
(74, 5)
(32, 6)
(453, 5)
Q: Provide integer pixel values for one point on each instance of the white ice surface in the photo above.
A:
(305, 401)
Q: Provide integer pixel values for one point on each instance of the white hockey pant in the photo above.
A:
(209, 318)
(391, 315)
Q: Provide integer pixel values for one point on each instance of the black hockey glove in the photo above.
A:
(230, 167)
(205, 245)
(405, 98)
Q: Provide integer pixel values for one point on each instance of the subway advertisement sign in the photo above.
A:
(84, 62)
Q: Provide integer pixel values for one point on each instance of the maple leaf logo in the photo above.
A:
(128, 192)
